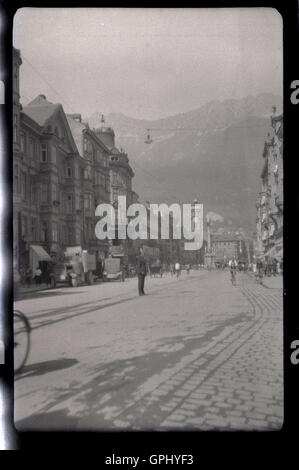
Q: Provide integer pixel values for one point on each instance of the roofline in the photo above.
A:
(124, 165)
(96, 138)
(27, 120)
(59, 109)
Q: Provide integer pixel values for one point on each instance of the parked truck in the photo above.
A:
(76, 268)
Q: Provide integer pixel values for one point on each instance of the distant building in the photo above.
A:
(120, 184)
(94, 181)
(269, 204)
(226, 246)
(46, 170)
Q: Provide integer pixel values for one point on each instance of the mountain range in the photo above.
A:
(213, 154)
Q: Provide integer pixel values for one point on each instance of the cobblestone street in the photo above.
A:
(194, 354)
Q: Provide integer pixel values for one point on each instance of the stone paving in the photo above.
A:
(195, 354)
(243, 385)
(236, 383)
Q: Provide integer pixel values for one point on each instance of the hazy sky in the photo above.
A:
(147, 63)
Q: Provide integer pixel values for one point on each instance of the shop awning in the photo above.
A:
(37, 254)
(40, 253)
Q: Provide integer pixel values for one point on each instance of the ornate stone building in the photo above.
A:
(225, 246)
(94, 182)
(62, 170)
(120, 184)
(60, 174)
(17, 158)
(269, 204)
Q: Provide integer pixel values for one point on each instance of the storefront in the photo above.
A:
(38, 255)
(39, 258)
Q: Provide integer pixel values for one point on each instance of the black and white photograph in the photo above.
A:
(148, 219)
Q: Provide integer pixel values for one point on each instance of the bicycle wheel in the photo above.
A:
(21, 340)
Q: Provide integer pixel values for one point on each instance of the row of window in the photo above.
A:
(48, 153)
(116, 193)
(21, 181)
(45, 192)
(94, 154)
(30, 146)
(30, 229)
(54, 232)
(224, 243)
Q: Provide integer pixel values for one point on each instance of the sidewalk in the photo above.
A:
(23, 291)
(34, 288)
(273, 282)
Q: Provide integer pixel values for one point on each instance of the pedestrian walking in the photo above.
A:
(47, 277)
(233, 265)
(177, 268)
(22, 272)
(38, 276)
(274, 267)
(28, 277)
(260, 268)
(278, 267)
(141, 272)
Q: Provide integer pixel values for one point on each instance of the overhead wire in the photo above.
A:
(48, 83)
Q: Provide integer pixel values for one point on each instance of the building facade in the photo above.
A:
(121, 175)
(62, 170)
(225, 247)
(269, 204)
(17, 159)
(94, 182)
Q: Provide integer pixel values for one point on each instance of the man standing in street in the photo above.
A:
(177, 268)
(141, 272)
(233, 270)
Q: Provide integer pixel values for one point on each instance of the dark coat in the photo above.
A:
(141, 265)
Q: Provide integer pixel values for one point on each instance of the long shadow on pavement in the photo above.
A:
(41, 368)
(45, 293)
(59, 311)
(110, 390)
